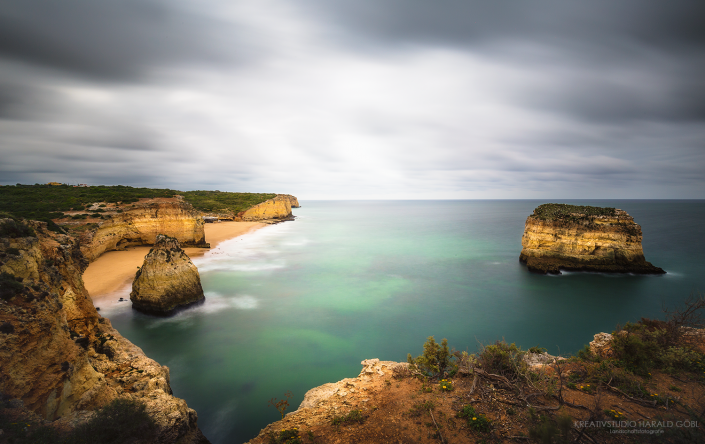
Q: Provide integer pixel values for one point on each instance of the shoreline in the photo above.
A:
(113, 270)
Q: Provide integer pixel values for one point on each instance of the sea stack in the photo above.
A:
(579, 237)
(167, 280)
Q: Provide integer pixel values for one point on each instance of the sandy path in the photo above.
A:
(115, 269)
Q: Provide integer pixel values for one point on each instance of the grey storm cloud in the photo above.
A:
(112, 40)
(364, 99)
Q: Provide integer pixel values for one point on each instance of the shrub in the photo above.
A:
(549, 432)
(476, 421)
(420, 408)
(9, 286)
(290, 436)
(503, 359)
(352, 416)
(435, 360)
(13, 229)
(120, 421)
(13, 251)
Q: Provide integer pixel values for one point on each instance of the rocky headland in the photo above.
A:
(167, 280)
(570, 237)
(58, 356)
(273, 210)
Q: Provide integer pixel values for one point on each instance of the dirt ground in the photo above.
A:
(406, 410)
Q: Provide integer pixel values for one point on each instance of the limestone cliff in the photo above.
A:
(59, 356)
(276, 209)
(558, 236)
(167, 280)
(293, 201)
(140, 224)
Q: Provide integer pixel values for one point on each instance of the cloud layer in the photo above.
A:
(368, 99)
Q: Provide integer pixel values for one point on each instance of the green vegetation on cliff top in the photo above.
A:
(565, 211)
(45, 202)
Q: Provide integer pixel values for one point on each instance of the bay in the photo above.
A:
(299, 304)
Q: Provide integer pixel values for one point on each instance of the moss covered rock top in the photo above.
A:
(566, 211)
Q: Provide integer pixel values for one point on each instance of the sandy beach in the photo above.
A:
(114, 269)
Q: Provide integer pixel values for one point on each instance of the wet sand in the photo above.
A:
(115, 269)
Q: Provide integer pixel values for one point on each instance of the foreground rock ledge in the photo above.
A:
(167, 281)
(569, 237)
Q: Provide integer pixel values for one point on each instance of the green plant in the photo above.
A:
(290, 436)
(435, 360)
(13, 228)
(12, 251)
(537, 350)
(420, 408)
(614, 414)
(550, 432)
(476, 421)
(502, 359)
(9, 287)
(352, 416)
(445, 385)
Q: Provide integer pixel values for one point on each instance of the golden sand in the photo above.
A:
(115, 269)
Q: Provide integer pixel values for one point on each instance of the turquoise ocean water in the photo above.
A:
(298, 304)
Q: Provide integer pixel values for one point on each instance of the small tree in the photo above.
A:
(435, 360)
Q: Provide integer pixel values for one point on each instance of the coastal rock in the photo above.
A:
(293, 201)
(140, 224)
(276, 209)
(601, 345)
(167, 280)
(568, 237)
(61, 358)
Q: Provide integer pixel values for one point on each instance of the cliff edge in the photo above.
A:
(273, 210)
(140, 223)
(167, 280)
(57, 354)
(572, 237)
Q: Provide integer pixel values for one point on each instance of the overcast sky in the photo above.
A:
(340, 99)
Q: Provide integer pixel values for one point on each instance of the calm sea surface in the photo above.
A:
(295, 305)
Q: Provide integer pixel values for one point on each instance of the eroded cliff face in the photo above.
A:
(167, 280)
(293, 201)
(140, 224)
(276, 209)
(59, 356)
(609, 243)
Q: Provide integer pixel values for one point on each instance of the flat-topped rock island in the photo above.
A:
(579, 237)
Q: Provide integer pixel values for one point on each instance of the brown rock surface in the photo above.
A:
(140, 224)
(61, 358)
(167, 280)
(276, 209)
(608, 243)
(293, 201)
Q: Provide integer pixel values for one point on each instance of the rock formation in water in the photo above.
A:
(272, 210)
(167, 280)
(569, 237)
(59, 356)
(140, 224)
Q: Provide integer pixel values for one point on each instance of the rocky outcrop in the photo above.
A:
(167, 280)
(276, 209)
(59, 356)
(293, 201)
(140, 224)
(571, 237)
(323, 403)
